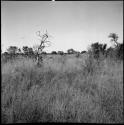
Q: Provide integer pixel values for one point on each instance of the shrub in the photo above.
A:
(53, 52)
(61, 52)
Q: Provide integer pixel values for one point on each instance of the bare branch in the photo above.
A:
(44, 37)
(43, 43)
(38, 34)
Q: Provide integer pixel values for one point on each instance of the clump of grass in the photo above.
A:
(16, 83)
(111, 91)
(91, 66)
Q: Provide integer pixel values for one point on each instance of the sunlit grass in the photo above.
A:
(62, 90)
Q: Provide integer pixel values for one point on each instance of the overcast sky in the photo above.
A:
(72, 24)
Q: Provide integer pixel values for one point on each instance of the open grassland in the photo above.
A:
(63, 89)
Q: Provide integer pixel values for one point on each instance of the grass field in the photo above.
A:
(63, 89)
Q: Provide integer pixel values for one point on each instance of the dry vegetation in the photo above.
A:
(63, 89)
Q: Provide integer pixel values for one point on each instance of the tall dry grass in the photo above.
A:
(62, 90)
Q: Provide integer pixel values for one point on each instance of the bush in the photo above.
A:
(98, 50)
(61, 52)
(116, 52)
(53, 52)
(83, 52)
(91, 65)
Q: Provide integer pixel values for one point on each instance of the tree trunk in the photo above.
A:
(39, 60)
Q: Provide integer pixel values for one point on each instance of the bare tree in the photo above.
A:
(43, 43)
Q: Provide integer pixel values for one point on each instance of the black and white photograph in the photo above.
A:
(62, 62)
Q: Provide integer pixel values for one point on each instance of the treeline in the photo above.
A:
(96, 49)
(29, 51)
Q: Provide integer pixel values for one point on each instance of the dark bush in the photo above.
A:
(60, 52)
(53, 52)
(83, 52)
(98, 50)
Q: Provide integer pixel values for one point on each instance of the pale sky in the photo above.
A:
(72, 24)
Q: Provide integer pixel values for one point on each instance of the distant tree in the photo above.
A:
(60, 52)
(70, 51)
(114, 38)
(117, 51)
(25, 50)
(77, 54)
(12, 49)
(44, 52)
(19, 50)
(53, 52)
(30, 51)
(6, 56)
(5, 53)
(82, 52)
